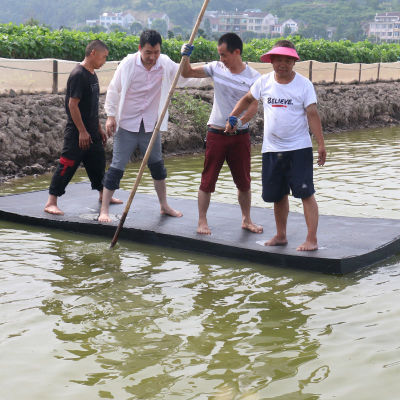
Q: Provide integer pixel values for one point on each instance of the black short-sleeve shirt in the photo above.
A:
(84, 85)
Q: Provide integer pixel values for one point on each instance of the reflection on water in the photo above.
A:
(79, 321)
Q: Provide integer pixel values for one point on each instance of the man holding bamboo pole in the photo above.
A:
(133, 103)
(232, 79)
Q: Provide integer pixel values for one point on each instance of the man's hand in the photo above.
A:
(84, 140)
(321, 155)
(104, 136)
(186, 49)
(111, 126)
(232, 124)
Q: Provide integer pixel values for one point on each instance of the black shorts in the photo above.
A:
(287, 171)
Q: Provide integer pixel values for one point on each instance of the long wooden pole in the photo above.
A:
(157, 129)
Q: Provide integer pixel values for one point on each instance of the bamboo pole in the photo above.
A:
(157, 129)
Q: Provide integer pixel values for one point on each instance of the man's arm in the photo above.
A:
(189, 72)
(247, 103)
(84, 137)
(314, 122)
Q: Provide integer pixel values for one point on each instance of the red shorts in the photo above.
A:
(236, 151)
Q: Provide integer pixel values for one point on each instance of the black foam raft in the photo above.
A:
(346, 244)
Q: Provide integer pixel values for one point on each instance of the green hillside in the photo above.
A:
(314, 15)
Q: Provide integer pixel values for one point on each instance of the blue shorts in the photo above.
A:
(287, 171)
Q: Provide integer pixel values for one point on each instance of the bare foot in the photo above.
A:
(252, 227)
(104, 218)
(170, 211)
(276, 241)
(308, 246)
(53, 209)
(203, 228)
(113, 200)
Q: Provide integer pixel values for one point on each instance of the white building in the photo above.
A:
(125, 19)
(386, 26)
(290, 23)
(248, 21)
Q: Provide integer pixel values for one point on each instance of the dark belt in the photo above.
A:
(222, 132)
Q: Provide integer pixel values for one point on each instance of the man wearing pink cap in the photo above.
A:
(290, 113)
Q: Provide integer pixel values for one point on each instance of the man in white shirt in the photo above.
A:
(290, 112)
(135, 98)
(232, 79)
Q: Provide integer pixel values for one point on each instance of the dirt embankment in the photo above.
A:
(31, 126)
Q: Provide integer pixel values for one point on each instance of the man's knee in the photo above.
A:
(303, 191)
(158, 171)
(112, 178)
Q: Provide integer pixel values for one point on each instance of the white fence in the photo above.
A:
(48, 75)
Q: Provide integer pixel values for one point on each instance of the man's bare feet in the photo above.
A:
(203, 228)
(308, 246)
(167, 210)
(104, 218)
(53, 209)
(276, 241)
(252, 227)
(113, 200)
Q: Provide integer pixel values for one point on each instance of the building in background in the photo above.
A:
(385, 27)
(262, 23)
(126, 19)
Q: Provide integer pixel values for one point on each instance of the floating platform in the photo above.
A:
(345, 244)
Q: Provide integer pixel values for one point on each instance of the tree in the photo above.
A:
(287, 31)
(94, 29)
(207, 28)
(160, 25)
(136, 28)
(249, 35)
(117, 28)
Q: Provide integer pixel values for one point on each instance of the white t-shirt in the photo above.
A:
(285, 119)
(228, 90)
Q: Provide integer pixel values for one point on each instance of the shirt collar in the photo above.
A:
(153, 68)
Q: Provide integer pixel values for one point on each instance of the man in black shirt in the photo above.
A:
(84, 137)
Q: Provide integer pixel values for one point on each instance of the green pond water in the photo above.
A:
(80, 321)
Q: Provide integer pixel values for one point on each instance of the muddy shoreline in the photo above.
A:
(32, 126)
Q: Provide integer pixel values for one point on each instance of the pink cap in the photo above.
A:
(281, 51)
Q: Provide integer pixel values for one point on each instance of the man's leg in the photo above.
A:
(69, 161)
(203, 204)
(125, 144)
(310, 207)
(238, 157)
(161, 190)
(244, 199)
(281, 212)
(94, 162)
(157, 170)
(107, 195)
(213, 161)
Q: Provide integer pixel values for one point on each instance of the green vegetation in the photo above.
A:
(192, 109)
(26, 41)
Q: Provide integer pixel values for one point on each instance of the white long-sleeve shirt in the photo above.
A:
(117, 89)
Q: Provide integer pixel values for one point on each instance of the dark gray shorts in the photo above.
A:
(287, 171)
(126, 143)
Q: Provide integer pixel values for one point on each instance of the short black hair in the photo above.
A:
(232, 41)
(284, 43)
(95, 45)
(151, 37)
